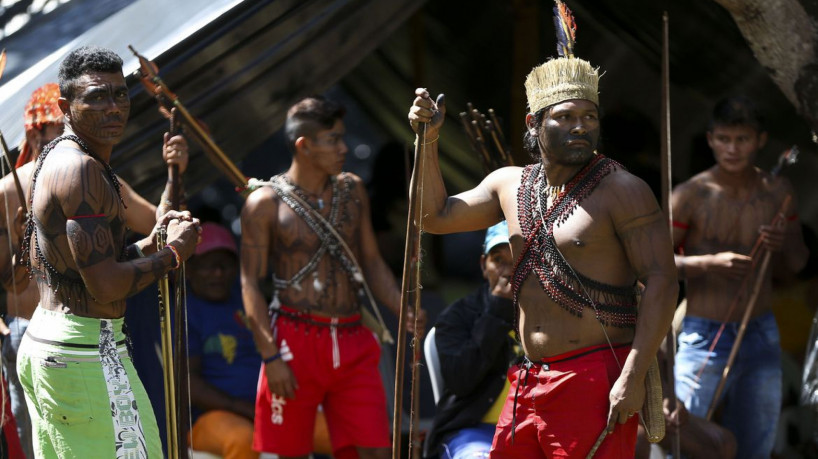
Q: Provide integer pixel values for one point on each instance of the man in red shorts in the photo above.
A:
(584, 233)
(311, 228)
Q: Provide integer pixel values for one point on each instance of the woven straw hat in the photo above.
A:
(561, 79)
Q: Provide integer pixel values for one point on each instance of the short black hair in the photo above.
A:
(310, 115)
(737, 110)
(82, 61)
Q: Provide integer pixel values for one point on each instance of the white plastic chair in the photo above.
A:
(432, 359)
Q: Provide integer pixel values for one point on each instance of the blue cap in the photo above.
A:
(495, 235)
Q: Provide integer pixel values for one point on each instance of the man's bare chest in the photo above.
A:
(308, 231)
(721, 221)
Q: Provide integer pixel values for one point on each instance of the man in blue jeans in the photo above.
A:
(475, 347)
(719, 215)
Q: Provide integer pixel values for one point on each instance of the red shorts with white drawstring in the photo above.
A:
(562, 407)
(335, 367)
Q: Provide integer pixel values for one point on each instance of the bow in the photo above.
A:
(667, 174)
(174, 351)
(410, 297)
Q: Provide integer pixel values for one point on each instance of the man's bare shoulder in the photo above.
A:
(627, 199)
(620, 182)
(504, 177)
(72, 173)
(261, 199)
(701, 182)
(349, 176)
(355, 180)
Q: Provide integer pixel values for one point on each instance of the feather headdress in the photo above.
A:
(566, 77)
(566, 29)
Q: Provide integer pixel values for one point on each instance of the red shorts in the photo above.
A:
(344, 379)
(563, 407)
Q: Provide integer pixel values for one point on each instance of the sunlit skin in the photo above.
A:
(81, 220)
(140, 215)
(98, 111)
(616, 236)
(569, 133)
(325, 151)
(727, 208)
(276, 239)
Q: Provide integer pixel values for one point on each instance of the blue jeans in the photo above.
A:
(752, 393)
(468, 443)
(18, 327)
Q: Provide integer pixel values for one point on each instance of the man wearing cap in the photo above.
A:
(223, 359)
(43, 120)
(475, 347)
(585, 234)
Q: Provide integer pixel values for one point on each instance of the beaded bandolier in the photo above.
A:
(56, 280)
(329, 242)
(614, 305)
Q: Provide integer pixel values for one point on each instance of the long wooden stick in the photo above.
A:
(410, 297)
(667, 168)
(168, 366)
(740, 335)
(181, 368)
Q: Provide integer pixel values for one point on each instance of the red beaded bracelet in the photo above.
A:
(176, 256)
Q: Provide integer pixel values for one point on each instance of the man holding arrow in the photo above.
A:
(721, 216)
(82, 391)
(43, 121)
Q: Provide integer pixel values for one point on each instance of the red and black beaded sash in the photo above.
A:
(614, 305)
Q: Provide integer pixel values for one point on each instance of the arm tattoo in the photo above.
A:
(92, 238)
(148, 270)
(132, 252)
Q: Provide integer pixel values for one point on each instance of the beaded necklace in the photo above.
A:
(615, 305)
(305, 195)
(329, 242)
(54, 278)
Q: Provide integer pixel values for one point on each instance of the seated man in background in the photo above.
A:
(475, 346)
(224, 363)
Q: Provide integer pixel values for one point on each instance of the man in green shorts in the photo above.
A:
(83, 394)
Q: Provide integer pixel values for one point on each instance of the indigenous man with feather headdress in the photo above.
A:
(585, 233)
